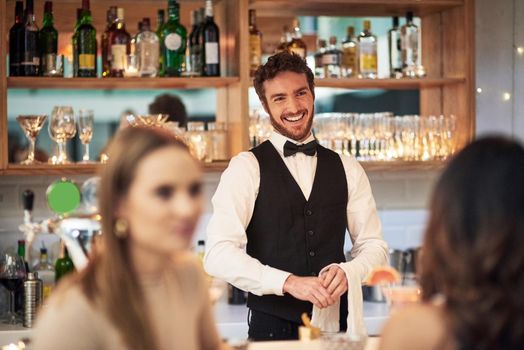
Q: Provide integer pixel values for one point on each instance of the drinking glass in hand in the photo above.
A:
(85, 131)
(31, 124)
(61, 127)
(12, 275)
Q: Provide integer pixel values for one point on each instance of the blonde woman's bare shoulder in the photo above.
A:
(417, 327)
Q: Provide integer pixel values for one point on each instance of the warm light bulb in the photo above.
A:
(520, 50)
(506, 96)
(479, 90)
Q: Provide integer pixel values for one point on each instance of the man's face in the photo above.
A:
(290, 104)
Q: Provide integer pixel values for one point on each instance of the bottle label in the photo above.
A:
(29, 60)
(212, 53)
(118, 53)
(330, 59)
(173, 41)
(349, 57)
(255, 50)
(368, 57)
(299, 51)
(86, 61)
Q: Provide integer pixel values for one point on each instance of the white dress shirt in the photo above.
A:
(233, 205)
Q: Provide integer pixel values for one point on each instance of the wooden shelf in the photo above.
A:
(119, 83)
(83, 169)
(284, 8)
(214, 167)
(390, 84)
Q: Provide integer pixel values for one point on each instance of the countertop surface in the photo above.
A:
(231, 323)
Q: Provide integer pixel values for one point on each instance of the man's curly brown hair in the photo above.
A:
(284, 61)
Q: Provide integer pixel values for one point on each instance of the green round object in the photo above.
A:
(63, 196)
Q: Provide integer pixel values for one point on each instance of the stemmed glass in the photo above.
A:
(61, 127)
(85, 131)
(31, 124)
(12, 275)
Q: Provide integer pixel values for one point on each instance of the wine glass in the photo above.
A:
(12, 275)
(85, 131)
(31, 124)
(61, 127)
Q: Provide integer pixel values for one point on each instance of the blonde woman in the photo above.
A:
(142, 290)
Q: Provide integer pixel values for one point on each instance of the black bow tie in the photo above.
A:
(308, 149)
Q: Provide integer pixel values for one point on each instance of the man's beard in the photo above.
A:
(284, 132)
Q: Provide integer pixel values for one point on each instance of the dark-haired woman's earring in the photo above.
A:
(121, 226)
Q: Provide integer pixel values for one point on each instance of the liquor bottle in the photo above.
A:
(48, 38)
(19, 294)
(173, 38)
(409, 45)
(147, 50)
(46, 271)
(367, 48)
(297, 45)
(194, 45)
(319, 66)
(105, 40)
(74, 40)
(255, 44)
(331, 59)
(120, 45)
(15, 40)
(210, 44)
(395, 61)
(160, 16)
(64, 264)
(350, 54)
(30, 57)
(285, 39)
(86, 45)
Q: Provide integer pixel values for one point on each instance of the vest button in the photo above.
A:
(311, 253)
(310, 232)
(309, 212)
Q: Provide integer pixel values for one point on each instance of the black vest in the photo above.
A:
(289, 233)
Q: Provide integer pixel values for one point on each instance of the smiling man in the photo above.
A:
(281, 212)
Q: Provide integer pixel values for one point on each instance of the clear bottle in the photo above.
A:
(86, 43)
(105, 41)
(331, 59)
(30, 55)
(409, 34)
(48, 38)
(173, 42)
(217, 141)
(194, 45)
(15, 39)
(319, 66)
(297, 45)
(255, 43)
(147, 50)
(120, 45)
(350, 54)
(367, 48)
(46, 271)
(394, 45)
(285, 39)
(210, 44)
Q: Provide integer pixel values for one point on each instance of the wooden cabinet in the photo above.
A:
(447, 52)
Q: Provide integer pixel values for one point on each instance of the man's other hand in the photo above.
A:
(334, 281)
(308, 289)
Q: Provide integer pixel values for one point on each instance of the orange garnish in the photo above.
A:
(382, 275)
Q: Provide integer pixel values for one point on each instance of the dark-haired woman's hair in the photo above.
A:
(109, 281)
(473, 248)
(284, 61)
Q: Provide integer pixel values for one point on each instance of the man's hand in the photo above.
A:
(308, 289)
(335, 281)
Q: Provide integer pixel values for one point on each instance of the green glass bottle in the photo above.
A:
(160, 22)
(75, 42)
(48, 40)
(63, 265)
(86, 43)
(173, 38)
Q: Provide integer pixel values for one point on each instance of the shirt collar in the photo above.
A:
(278, 140)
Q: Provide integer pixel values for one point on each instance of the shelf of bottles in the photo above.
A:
(169, 50)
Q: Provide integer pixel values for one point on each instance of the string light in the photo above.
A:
(506, 96)
(520, 50)
(479, 90)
